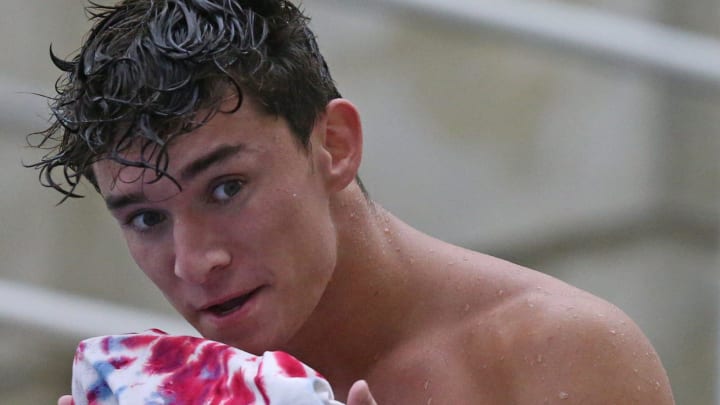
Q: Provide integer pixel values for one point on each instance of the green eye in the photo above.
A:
(227, 190)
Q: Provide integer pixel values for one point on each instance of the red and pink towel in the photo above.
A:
(154, 368)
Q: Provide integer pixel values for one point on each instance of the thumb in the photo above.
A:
(65, 400)
(360, 394)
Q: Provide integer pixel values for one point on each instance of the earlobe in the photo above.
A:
(342, 141)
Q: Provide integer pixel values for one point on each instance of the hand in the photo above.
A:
(359, 394)
(65, 400)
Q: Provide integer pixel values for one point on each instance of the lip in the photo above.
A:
(214, 310)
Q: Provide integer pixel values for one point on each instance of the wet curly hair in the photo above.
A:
(150, 70)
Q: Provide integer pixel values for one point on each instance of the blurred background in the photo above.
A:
(579, 138)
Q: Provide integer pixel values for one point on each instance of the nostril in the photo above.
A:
(196, 265)
(218, 257)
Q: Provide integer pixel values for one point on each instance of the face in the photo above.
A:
(246, 249)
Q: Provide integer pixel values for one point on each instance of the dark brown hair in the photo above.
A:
(149, 67)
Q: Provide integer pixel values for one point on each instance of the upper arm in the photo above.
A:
(584, 351)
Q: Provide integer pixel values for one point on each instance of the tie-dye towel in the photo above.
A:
(154, 368)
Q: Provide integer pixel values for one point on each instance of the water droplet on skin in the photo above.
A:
(613, 332)
(451, 263)
(467, 307)
(563, 395)
(539, 358)
(500, 293)
(294, 195)
(426, 385)
(387, 230)
(429, 401)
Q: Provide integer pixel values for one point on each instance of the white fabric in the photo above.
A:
(153, 368)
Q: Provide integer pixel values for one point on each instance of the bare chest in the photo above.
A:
(436, 373)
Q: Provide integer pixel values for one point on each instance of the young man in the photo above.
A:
(214, 133)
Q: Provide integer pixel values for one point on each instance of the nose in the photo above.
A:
(199, 250)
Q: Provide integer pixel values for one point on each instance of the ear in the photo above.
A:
(341, 140)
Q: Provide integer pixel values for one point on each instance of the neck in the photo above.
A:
(363, 312)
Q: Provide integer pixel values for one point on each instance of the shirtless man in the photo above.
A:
(215, 135)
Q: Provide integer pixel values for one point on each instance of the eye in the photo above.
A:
(143, 221)
(227, 190)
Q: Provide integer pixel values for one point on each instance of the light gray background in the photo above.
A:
(598, 173)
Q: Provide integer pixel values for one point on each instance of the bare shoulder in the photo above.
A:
(558, 343)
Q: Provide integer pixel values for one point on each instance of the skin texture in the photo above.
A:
(353, 291)
(272, 235)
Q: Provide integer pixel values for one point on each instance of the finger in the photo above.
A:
(65, 400)
(360, 394)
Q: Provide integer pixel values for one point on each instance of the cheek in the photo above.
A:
(311, 234)
(153, 260)
(293, 229)
(302, 222)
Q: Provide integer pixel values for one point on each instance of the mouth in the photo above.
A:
(231, 305)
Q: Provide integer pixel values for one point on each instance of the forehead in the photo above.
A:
(245, 132)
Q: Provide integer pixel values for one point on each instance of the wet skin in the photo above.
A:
(245, 240)
(272, 246)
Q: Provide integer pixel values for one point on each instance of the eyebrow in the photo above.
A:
(214, 157)
(114, 202)
(218, 155)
